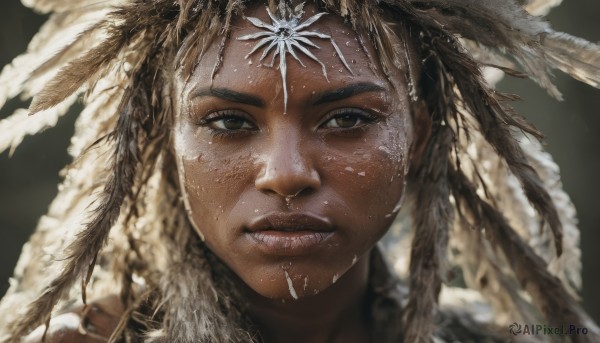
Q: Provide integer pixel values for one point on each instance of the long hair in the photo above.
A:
(485, 200)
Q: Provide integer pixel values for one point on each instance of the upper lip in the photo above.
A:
(290, 222)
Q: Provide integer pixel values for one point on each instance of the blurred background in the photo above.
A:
(29, 179)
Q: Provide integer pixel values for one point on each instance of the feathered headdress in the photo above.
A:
(487, 201)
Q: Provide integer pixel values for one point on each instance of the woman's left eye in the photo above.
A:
(347, 119)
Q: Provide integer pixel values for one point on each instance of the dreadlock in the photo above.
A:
(138, 224)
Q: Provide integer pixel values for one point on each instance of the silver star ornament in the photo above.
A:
(285, 35)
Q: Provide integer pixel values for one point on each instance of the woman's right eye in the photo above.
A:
(231, 124)
(228, 122)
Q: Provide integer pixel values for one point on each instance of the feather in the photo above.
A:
(57, 33)
(566, 267)
(344, 8)
(432, 218)
(71, 78)
(540, 7)
(60, 6)
(527, 38)
(484, 271)
(574, 56)
(546, 290)
(18, 125)
(83, 251)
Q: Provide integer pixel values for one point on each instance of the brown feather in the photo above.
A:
(432, 219)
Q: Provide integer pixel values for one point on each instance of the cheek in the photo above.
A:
(370, 174)
(213, 177)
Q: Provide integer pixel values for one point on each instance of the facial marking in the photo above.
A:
(291, 286)
(286, 34)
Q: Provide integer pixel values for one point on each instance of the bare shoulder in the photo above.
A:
(92, 324)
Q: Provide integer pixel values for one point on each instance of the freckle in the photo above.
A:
(209, 143)
(235, 70)
(314, 92)
(341, 70)
(326, 202)
(362, 173)
(256, 211)
(350, 169)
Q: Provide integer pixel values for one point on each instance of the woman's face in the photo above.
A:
(291, 201)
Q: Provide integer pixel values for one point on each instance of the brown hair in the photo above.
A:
(127, 81)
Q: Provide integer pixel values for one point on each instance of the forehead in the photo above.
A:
(240, 68)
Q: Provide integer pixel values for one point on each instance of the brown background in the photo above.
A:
(28, 180)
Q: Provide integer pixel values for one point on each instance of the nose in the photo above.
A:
(288, 170)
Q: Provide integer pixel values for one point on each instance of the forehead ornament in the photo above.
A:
(284, 35)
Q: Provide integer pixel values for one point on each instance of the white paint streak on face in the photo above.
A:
(291, 286)
(305, 283)
(397, 208)
(354, 259)
(186, 197)
(336, 277)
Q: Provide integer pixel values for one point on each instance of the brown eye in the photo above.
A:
(232, 123)
(347, 119)
(229, 122)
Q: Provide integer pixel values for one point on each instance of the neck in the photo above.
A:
(337, 314)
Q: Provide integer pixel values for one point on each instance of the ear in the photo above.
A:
(421, 133)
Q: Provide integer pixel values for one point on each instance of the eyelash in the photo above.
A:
(224, 115)
(363, 118)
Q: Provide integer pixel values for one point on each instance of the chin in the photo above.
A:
(294, 281)
(291, 290)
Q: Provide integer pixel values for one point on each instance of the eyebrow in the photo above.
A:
(347, 92)
(320, 98)
(230, 95)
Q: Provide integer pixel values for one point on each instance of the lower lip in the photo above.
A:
(289, 243)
